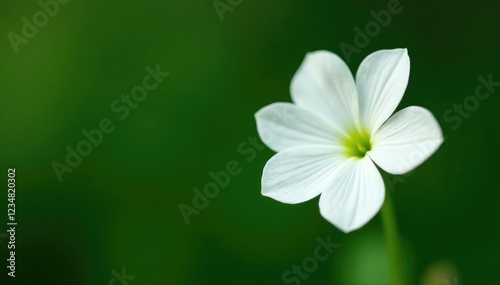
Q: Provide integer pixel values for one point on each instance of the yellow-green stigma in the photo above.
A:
(357, 144)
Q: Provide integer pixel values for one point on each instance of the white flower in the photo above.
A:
(329, 141)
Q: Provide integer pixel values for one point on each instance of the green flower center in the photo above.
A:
(357, 143)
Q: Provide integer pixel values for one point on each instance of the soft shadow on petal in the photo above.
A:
(284, 125)
(381, 79)
(406, 140)
(325, 85)
(299, 174)
(355, 196)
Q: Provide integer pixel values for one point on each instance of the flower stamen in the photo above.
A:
(357, 143)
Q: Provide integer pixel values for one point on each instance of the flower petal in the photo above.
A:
(406, 140)
(284, 125)
(301, 173)
(325, 85)
(356, 196)
(381, 79)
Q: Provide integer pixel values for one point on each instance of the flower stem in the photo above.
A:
(392, 241)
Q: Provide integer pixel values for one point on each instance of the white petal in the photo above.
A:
(301, 173)
(284, 125)
(356, 195)
(382, 78)
(325, 85)
(406, 140)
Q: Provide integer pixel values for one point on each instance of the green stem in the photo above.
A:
(392, 241)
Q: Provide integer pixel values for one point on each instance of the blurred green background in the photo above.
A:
(119, 207)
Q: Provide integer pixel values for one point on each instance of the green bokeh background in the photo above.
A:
(119, 207)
